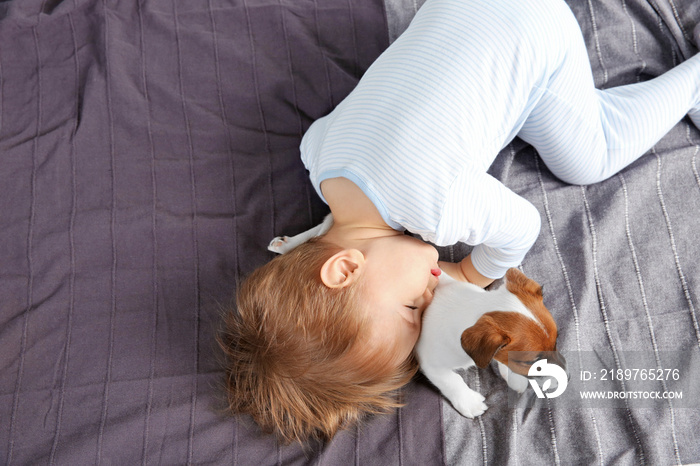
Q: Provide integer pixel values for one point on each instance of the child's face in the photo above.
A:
(399, 278)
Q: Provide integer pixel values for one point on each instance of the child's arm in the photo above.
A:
(465, 271)
(501, 225)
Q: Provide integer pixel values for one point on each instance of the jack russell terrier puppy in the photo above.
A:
(466, 325)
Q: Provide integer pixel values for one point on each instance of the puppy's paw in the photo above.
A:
(280, 245)
(517, 382)
(470, 405)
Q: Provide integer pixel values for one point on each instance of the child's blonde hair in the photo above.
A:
(299, 357)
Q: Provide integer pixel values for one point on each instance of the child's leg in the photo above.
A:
(585, 135)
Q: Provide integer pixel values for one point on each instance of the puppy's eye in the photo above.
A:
(527, 363)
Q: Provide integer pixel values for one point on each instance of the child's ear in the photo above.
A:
(342, 269)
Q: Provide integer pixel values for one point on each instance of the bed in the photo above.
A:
(149, 152)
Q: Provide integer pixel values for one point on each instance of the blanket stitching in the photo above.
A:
(570, 292)
(645, 304)
(606, 319)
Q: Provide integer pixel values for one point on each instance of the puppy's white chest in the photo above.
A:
(443, 323)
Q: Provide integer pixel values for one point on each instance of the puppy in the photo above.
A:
(466, 325)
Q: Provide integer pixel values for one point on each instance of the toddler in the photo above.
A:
(325, 333)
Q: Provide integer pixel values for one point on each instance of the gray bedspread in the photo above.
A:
(619, 261)
(149, 151)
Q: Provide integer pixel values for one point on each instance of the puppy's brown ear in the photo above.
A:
(483, 339)
(523, 287)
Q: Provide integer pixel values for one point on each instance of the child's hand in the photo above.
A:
(465, 271)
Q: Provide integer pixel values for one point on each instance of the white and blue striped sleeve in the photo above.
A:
(482, 212)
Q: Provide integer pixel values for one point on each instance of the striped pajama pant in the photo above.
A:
(583, 134)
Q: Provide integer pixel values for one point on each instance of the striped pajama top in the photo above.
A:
(427, 119)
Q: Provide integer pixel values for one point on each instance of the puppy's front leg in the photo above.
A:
(284, 244)
(515, 381)
(467, 402)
